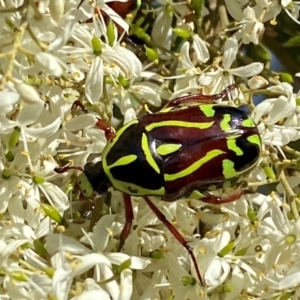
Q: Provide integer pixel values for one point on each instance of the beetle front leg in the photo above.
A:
(201, 98)
(128, 220)
(108, 130)
(176, 234)
(101, 124)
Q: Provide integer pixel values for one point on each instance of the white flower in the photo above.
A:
(162, 29)
(251, 29)
(224, 76)
(271, 131)
(273, 107)
(50, 63)
(282, 232)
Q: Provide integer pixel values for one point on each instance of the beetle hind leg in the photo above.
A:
(214, 199)
(128, 220)
(202, 99)
(176, 234)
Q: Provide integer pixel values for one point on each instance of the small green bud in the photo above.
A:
(228, 288)
(14, 138)
(157, 254)
(50, 272)
(40, 248)
(182, 32)
(6, 174)
(227, 249)
(52, 213)
(110, 31)
(251, 215)
(97, 46)
(20, 276)
(188, 280)
(151, 53)
(290, 239)
(38, 179)
(9, 156)
(286, 77)
(124, 82)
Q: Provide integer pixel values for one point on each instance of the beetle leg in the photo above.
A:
(176, 234)
(108, 130)
(201, 98)
(212, 199)
(128, 220)
(67, 168)
(103, 125)
(77, 104)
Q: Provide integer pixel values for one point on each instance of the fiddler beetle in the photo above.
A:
(189, 148)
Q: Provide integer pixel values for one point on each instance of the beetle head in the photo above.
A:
(93, 179)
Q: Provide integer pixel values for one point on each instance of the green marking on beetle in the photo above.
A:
(248, 123)
(231, 144)
(228, 169)
(254, 139)
(123, 161)
(136, 190)
(167, 149)
(148, 155)
(176, 123)
(207, 109)
(110, 144)
(225, 126)
(195, 166)
(85, 186)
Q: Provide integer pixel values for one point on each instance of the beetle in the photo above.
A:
(190, 147)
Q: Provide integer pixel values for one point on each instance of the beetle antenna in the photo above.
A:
(67, 168)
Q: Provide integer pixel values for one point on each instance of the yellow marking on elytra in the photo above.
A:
(228, 169)
(231, 144)
(148, 155)
(225, 126)
(248, 123)
(200, 125)
(134, 189)
(254, 139)
(195, 166)
(207, 109)
(166, 149)
(124, 160)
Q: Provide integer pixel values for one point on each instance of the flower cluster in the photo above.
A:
(67, 66)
